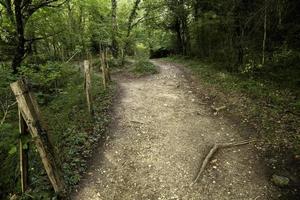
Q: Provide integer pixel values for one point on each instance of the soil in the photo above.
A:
(161, 133)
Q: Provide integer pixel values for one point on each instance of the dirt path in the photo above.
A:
(160, 136)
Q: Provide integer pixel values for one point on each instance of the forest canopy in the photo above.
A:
(243, 35)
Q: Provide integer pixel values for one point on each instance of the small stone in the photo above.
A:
(280, 181)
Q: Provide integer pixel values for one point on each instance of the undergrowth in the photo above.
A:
(60, 93)
(143, 67)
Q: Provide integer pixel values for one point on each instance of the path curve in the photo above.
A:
(161, 134)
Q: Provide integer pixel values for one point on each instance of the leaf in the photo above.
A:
(25, 146)
(13, 150)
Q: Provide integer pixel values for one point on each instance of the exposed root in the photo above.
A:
(211, 153)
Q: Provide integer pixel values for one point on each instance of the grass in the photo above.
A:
(266, 106)
(143, 67)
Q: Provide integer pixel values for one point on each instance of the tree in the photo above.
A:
(130, 26)
(179, 24)
(19, 12)
(115, 45)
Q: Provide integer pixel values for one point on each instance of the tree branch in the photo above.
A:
(32, 8)
(5, 111)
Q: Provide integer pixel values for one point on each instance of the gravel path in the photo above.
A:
(161, 134)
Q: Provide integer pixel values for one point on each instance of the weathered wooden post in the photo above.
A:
(23, 129)
(88, 85)
(107, 66)
(103, 69)
(30, 113)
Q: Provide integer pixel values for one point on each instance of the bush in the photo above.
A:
(141, 51)
(71, 132)
(115, 63)
(48, 79)
(8, 133)
(144, 67)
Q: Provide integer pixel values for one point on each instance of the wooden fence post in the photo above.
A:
(107, 66)
(23, 129)
(31, 115)
(103, 69)
(88, 85)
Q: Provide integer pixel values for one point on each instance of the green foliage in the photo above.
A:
(115, 63)
(8, 133)
(142, 52)
(47, 79)
(65, 115)
(143, 67)
(48, 74)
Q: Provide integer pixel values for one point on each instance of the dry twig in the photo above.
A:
(5, 111)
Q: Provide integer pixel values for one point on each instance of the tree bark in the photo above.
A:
(115, 45)
(131, 18)
(265, 35)
(20, 46)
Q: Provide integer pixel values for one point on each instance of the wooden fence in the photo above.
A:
(30, 124)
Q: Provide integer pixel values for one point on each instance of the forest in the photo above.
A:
(244, 55)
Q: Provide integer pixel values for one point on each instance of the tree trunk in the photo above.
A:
(115, 45)
(131, 18)
(265, 35)
(20, 46)
(178, 36)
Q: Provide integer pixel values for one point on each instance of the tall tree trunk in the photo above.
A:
(238, 34)
(178, 36)
(20, 46)
(185, 36)
(265, 35)
(115, 45)
(131, 19)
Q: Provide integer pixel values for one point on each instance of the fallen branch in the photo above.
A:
(211, 153)
(219, 108)
(5, 112)
(76, 52)
(136, 122)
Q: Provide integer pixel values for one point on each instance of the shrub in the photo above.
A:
(48, 79)
(144, 67)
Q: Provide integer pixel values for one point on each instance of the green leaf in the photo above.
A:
(13, 150)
